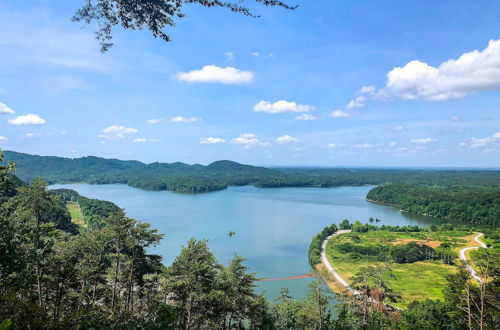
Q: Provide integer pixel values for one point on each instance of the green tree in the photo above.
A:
(193, 284)
(154, 15)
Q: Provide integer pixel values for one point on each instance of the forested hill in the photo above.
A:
(185, 178)
(478, 205)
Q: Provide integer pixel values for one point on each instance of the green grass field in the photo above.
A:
(76, 213)
(413, 281)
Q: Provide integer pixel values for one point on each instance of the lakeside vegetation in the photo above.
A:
(478, 205)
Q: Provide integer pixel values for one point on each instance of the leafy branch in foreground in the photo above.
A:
(155, 15)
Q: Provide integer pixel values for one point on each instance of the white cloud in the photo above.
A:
(306, 116)
(493, 140)
(367, 90)
(456, 118)
(471, 72)
(398, 128)
(29, 119)
(339, 114)
(215, 74)
(211, 140)
(285, 139)
(393, 143)
(247, 139)
(281, 106)
(154, 121)
(143, 140)
(31, 135)
(5, 110)
(116, 132)
(3, 139)
(365, 146)
(423, 140)
(179, 119)
(257, 54)
(357, 102)
(335, 145)
(229, 56)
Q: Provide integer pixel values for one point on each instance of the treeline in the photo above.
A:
(184, 178)
(471, 204)
(314, 252)
(94, 210)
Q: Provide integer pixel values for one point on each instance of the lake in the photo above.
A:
(273, 226)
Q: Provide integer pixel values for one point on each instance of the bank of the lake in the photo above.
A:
(273, 226)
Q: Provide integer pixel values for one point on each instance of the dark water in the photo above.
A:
(273, 226)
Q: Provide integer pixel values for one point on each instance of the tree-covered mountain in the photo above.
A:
(181, 177)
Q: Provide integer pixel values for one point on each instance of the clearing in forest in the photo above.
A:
(76, 213)
(418, 261)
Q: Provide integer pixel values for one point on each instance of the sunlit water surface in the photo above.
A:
(273, 226)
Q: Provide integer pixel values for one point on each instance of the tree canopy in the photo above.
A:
(154, 15)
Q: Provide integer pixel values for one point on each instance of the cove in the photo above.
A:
(273, 226)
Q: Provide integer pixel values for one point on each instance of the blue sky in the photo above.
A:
(333, 83)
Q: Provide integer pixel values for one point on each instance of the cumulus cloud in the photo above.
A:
(357, 102)
(5, 110)
(3, 139)
(471, 72)
(285, 139)
(211, 140)
(116, 132)
(393, 143)
(423, 140)
(143, 140)
(339, 114)
(215, 74)
(281, 106)
(29, 119)
(179, 119)
(490, 141)
(154, 121)
(306, 116)
(247, 139)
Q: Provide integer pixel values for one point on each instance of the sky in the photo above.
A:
(332, 83)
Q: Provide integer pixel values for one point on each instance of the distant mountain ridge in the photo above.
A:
(196, 178)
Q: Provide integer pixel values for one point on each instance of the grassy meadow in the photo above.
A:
(413, 281)
(76, 213)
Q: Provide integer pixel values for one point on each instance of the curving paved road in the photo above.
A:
(344, 283)
(463, 256)
(328, 266)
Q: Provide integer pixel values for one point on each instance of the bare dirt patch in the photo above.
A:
(431, 243)
(329, 279)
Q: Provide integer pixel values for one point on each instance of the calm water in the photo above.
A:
(273, 226)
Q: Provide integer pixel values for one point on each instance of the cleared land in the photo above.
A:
(413, 281)
(76, 213)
